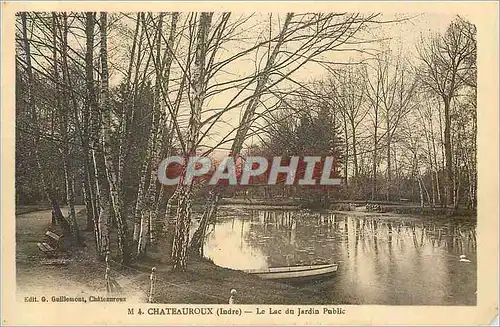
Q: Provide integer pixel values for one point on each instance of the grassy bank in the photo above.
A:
(204, 282)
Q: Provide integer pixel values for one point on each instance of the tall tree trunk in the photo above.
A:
(448, 153)
(65, 114)
(181, 237)
(133, 99)
(472, 190)
(198, 88)
(431, 166)
(436, 165)
(140, 234)
(139, 203)
(443, 165)
(346, 155)
(431, 172)
(91, 121)
(143, 235)
(127, 111)
(88, 191)
(389, 161)
(425, 190)
(473, 160)
(173, 199)
(209, 214)
(55, 212)
(70, 199)
(157, 131)
(111, 173)
(155, 141)
(375, 158)
(419, 181)
(457, 181)
(158, 201)
(87, 199)
(244, 127)
(49, 190)
(354, 150)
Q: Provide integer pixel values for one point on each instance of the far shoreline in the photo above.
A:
(354, 207)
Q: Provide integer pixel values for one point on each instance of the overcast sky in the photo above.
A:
(401, 37)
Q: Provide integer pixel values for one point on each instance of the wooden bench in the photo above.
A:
(53, 244)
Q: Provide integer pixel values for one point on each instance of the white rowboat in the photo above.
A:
(295, 273)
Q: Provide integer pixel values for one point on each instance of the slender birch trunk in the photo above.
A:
(127, 109)
(90, 139)
(346, 156)
(241, 133)
(111, 172)
(145, 206)
(139, 204)
(198, 87)
(425, 190)
(354, 149)
(209, 215)
(89, 181)
(163, 68)
(389, 160)
(443, 166)
(65, 113)
(156, 133)
(376, 104)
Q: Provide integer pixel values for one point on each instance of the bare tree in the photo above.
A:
(114, 192)
(332, 32)
(91, 146)
(57, 215)
(349, 95)
(375, 98)
(447, 66)
(66, 116)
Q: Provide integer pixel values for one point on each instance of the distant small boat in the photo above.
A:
(463, 258)
(295, 273)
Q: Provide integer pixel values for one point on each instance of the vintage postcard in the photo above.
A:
(249, 163)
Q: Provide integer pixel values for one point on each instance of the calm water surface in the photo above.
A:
(382, 259)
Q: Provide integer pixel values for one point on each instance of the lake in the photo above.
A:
(383, 259)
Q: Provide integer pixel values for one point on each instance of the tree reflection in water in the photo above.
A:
(383, 259)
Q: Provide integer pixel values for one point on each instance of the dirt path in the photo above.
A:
(82, 276)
